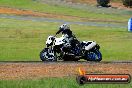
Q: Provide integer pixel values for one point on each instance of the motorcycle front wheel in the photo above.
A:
(47, 54)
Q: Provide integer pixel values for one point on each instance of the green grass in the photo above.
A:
(22, 40)
(55, 83)
(55, 9)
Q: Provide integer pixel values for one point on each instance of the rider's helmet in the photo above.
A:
(64, 27)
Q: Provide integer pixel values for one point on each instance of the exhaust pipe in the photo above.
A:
(90, 46)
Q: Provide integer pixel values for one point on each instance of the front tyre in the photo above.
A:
(48, 54)
(94, 55)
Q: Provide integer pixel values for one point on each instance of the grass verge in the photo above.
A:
(55, 83)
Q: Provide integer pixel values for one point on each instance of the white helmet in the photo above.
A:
(64, 26)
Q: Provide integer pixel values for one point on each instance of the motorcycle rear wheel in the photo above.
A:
(94, 56)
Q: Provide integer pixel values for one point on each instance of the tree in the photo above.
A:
(127, 3)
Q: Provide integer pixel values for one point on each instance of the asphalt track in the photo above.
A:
(42, 19)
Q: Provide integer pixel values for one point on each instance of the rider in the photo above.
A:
(65, 29)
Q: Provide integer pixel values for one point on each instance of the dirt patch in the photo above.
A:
(39, 70)
(119, 6)
(5, 10)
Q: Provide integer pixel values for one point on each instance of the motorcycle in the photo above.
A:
(60, 49)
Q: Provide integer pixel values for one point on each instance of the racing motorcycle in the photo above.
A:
(60, 49)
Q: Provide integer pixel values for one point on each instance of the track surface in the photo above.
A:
(30, 70)
(42, 19)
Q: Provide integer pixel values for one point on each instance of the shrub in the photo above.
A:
(127, 3)
(103, 3)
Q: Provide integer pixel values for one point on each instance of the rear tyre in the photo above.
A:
(94, 56)
(47, 54)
